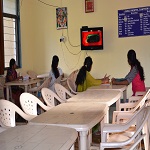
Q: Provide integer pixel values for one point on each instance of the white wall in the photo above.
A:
(40, 38)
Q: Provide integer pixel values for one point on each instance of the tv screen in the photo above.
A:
(91, 38)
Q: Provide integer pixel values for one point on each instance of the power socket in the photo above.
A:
(62, 39)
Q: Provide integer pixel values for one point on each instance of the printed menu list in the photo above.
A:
(134, 22)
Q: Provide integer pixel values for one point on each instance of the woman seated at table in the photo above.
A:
(84, 79)
(136, 74)
(55, 71)
(12, 76)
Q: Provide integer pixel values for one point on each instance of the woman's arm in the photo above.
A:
(127, 80)
(121, 82)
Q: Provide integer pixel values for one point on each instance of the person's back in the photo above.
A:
(135, 76)
(84, 79)
(138, 84)
(55, 71)
(88, 82)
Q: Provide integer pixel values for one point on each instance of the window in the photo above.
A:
(11, 24)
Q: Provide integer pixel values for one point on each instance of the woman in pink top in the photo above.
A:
(136, 74)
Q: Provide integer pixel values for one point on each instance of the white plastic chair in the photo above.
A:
(37, 89)
(30, 102)
(71, 82)
(62, 92)
(32, 74)
(116, 138)
(45, 75)
(50, 97)
(130, 108)
(124, 116)
(7, 114)
(51, 86)
(140, 93)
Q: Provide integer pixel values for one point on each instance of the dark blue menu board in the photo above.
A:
(134, 22)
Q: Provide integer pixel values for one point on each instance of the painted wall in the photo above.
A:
(41, 39)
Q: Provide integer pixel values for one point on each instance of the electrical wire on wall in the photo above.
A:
(78, 53)
(47, 4)
(65, 60)
(69, 40)
(70, 51)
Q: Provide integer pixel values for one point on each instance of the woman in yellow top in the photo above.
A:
(84, 79)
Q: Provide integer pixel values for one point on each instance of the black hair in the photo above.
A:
(12, 62)
(55, 65)
(82, 72)
(133, 61)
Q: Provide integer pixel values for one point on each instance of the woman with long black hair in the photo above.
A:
(55, 71)
(84, 79)
(136, 74)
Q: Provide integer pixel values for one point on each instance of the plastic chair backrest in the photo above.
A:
(71, 81)
(45, 84)
(62, 92)
(139, 119)
(7, 113)
(30, 102)
(49, 97)
(51, 86)
(142, 100)
(32, 74)
(135, 102)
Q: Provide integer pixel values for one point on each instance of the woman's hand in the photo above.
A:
(106, 79)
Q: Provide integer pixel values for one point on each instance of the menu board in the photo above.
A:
(134, 22)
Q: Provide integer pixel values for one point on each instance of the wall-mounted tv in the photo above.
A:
(91, 38)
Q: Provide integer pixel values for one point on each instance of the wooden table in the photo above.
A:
(122, 88)
(80, 116)
(35, 137)
(24, 83)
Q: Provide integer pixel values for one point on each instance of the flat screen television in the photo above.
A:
(91, 38)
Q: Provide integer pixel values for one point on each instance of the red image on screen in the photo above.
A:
(91, 38)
